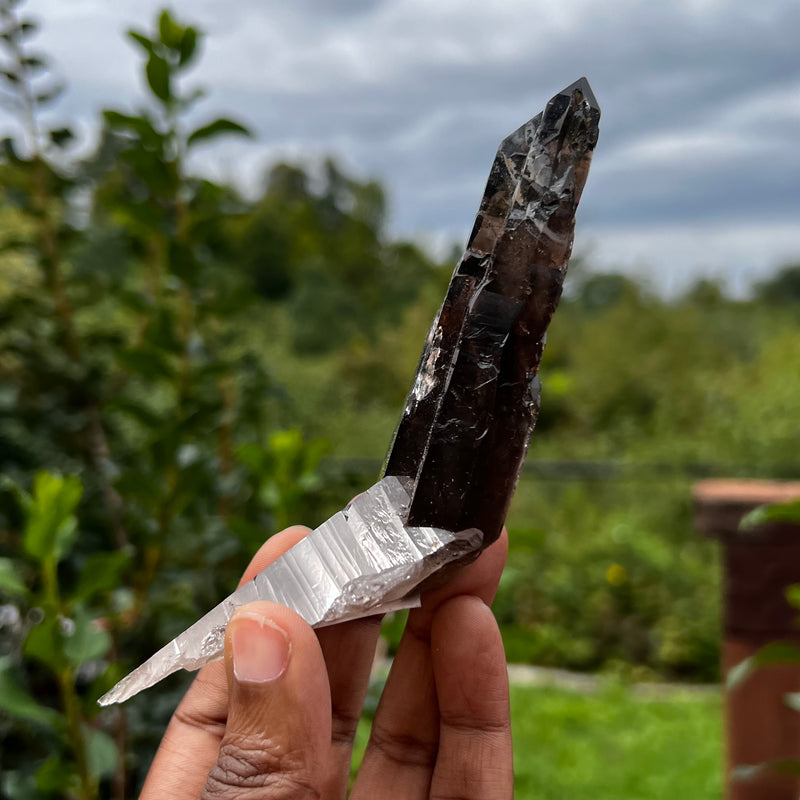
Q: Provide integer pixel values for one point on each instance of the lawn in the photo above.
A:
(612, 745)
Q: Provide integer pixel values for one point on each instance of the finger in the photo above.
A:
(349, 650)
(475, 759)
(404, 740)
(278, 735)
(191, 742)
(481, 578)
(401, 751)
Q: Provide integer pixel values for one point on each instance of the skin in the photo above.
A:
(442, 728)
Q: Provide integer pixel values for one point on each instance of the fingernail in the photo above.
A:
(260, 649)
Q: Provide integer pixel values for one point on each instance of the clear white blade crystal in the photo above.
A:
(361, 561)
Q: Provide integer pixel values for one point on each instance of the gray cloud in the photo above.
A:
(701, 101)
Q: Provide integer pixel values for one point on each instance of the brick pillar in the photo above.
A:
(757, 567)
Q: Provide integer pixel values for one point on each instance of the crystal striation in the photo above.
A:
(361, 558)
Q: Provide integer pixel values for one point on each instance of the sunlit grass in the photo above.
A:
(612, 745)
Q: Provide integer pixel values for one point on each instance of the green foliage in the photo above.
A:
(783, 289)
(775, 513)
(51, 525)
(139, 422)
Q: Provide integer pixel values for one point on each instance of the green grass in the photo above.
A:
(612, 746)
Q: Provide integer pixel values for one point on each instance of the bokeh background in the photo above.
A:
(222, 239)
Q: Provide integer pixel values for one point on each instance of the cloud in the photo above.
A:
(700, 98)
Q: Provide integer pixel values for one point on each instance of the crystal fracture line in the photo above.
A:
(362, 560)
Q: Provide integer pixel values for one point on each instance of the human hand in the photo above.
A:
(277, 719)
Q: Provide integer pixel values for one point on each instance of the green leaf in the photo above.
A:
(793, 595)
(146, 361)
(774, 654)
(24, 500)
(49, 95)
(58, 777)
(775, 513)
(17, 703)
(778, 766)
(19, 31)
(85, 641)
(51, 526)
(44, 643)
(101, 754)
(61, 137)
(158, 77)
(34, 63)
(188, 46)
(11, 584)
(141, 126)
(216, 128)
(10, 151)
(142, 40)
(169, 31)
(792, 700)
(102, 572)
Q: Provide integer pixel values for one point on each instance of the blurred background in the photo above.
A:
(224, 231)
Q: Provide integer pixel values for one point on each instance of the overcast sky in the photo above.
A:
(697, 171)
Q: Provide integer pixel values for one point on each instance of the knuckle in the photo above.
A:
(403, 750)
(251, 772)
(343, 727)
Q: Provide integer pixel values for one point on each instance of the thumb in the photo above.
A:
(277, 739)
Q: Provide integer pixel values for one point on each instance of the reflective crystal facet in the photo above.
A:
(362, 560)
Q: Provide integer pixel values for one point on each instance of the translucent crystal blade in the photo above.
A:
(361, 561)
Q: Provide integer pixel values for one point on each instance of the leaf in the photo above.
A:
(158, 77)
(169, 31)
(51, 526)
(142, 40)
(775, 513)
(774, 654)
(10, 151)
(19, 31)
(10, 76)
(146, 361)
(141, 126)
(44, 643)
(61, 137)
(34, 63)
(793, 595)
(58, 777)
(778, 766)
(101, 754)
(188, 46)
(792, 700)
(11, 584)
(49, 95)
(101, 573)
(24, 500)
(85, 641)
(216, 128)
(17, 703)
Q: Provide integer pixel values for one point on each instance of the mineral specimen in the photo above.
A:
(457, 452)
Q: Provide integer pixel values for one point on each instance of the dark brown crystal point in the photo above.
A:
(468, 419)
